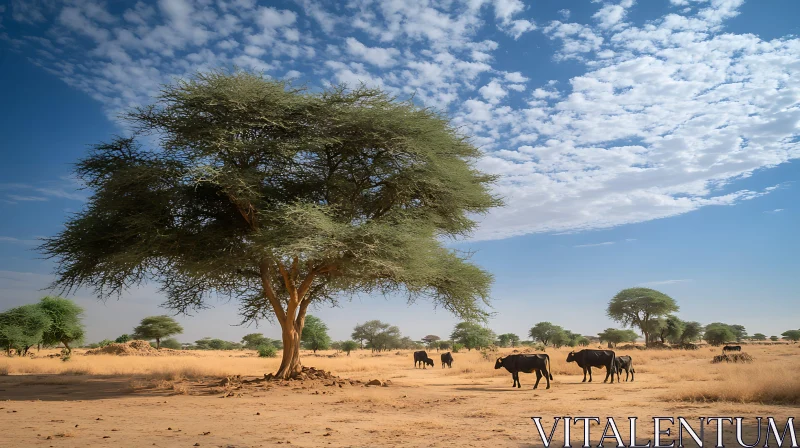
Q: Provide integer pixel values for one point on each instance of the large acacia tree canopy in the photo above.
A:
(349, 189)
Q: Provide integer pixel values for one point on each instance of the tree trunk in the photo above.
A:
(290, 364)
(158, 343)
(66, 345)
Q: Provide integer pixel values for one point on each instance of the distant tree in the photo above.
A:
(718, 334)
(638, 306)
(171, 343)
(105, 343)
(387, 339)
(508, 340)
(432, 341)
(759, 337)
(122, 339)
(336, 345)
(23, 327)
(315, 334)
(368, 331)
(472, 335)
(583, 341)
(692, 331)
(253, 340)
(406, 343)
(157, 327)
(279, 197)
(544, 332)
(792, 335)
(739, 331)
(349, 346)
(66, 322)
(672, 330)
(773, 338)
(445, 345)
(616, 336)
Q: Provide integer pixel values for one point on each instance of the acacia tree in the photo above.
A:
(640, 307)
(66, 325)
(508, 340)
(157, 327)
(616, 336)
(23, 327)
(349, 346)
(315, 334)
(472, 335)
(545, 332)
(792, 335)
(278, 198)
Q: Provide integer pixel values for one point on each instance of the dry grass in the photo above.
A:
(750, 383)
(686, 375)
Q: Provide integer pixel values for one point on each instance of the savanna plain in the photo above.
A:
(220, 399)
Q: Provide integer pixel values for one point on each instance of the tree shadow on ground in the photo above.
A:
(73, 387)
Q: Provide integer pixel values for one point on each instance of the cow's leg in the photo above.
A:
(589, 368)
(538, 378)
(632, 372)
(584, 375)
(547, 377)
(519, 383)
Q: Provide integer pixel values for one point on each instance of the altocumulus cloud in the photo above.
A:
(662, 117)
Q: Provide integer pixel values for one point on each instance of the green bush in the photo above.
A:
(105, 342)
(267, 351)
(457, 347)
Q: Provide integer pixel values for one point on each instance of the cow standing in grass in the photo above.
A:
(625, 363)
(527, 364)
(732, 348)
(447, 360)
(588, 358)
(421, 357)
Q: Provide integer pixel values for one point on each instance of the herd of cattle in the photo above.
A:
(540, 363)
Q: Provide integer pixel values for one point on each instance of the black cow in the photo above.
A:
(526, 364)
(732, 348)
(447, 360)
(422, 358)
(588, 358)
(625, 363)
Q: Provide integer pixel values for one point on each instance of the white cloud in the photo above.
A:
(605, 243)
(777, 210)
(664, 282)
(662, 118)
(493, 92)
(12, 240)
(381, 57)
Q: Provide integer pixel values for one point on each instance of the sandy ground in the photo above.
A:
(469, 405)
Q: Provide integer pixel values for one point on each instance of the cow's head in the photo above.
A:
(499, 363)
(571, 357)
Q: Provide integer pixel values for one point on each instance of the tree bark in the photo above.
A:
(158, 343)
(290, 364)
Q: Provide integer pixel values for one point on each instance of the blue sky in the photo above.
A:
(645, 143)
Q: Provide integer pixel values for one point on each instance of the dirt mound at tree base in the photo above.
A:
(130, 348)
(736, 357)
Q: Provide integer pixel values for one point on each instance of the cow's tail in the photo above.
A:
(549, 370)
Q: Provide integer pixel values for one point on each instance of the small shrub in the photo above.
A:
(65, 355)
(267, 351)
(457, 347)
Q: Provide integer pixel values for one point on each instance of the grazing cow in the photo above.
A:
(526, 364)
(421, 357)
(624, 363)
(447, 359)
(732, 348)
(588, 358)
